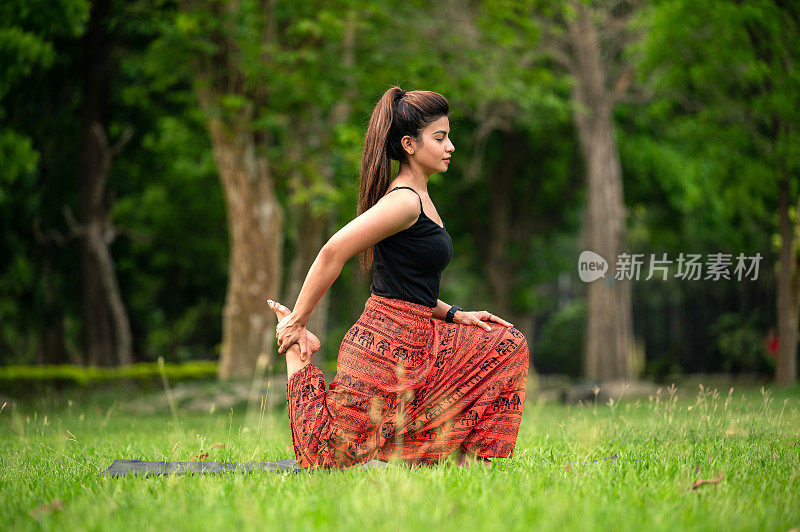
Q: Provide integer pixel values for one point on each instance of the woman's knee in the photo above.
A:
(515, 345)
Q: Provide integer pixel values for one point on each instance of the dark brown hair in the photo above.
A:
(398, 113)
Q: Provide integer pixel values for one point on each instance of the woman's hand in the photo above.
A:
(312, 345)
(479, 318)
(290, 330)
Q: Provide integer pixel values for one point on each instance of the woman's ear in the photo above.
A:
(408, 143)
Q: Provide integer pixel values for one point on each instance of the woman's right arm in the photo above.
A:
(392, 213)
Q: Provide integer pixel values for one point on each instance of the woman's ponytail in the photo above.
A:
(376, 165)
(397, 113)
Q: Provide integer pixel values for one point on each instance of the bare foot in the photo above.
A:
(294, 362)
(281, 312)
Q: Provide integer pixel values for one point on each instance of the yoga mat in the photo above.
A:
(121, 468)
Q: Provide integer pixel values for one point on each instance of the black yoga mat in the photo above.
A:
(121, 468)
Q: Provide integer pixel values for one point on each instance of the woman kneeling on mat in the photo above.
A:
(416, 379)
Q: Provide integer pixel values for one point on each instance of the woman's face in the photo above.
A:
(432, 151)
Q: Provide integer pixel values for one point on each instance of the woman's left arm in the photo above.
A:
(440, 311)
(478, 318)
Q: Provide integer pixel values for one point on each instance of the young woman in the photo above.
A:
(417, 379)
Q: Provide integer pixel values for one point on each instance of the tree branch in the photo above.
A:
(559, 55)
(76, 229)
(486, 124)
(621, 85)
(107, 155)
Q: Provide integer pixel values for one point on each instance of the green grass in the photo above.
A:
(55, 448)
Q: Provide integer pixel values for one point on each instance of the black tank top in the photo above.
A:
(409, 264)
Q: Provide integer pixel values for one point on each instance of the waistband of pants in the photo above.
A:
(405, 309)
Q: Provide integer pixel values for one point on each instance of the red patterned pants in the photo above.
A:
(410, 387)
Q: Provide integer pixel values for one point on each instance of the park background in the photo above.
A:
(166, 166)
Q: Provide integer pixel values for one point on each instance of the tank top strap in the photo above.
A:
(415, 192)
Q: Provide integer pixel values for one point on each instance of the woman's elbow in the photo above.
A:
(331, 254)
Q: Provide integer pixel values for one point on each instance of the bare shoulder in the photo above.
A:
(393, 213)
(399, 191)
(401, 205)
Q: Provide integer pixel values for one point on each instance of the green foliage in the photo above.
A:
(726, 99)
(17, 158)
(36, 108)
(740, 341)
(700, 156)
(173, 263)
(171, 253)
(559, 346)
(27, 379)
(28, 31)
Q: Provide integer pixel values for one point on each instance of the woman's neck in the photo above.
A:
(413, 178)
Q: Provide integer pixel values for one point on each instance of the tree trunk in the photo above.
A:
(96, 324)
(255, 226)
(255, 219)
(107, 336)
(788, 293)
(609, 331)
(95, 235)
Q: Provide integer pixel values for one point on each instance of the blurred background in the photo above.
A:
(167, 166)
